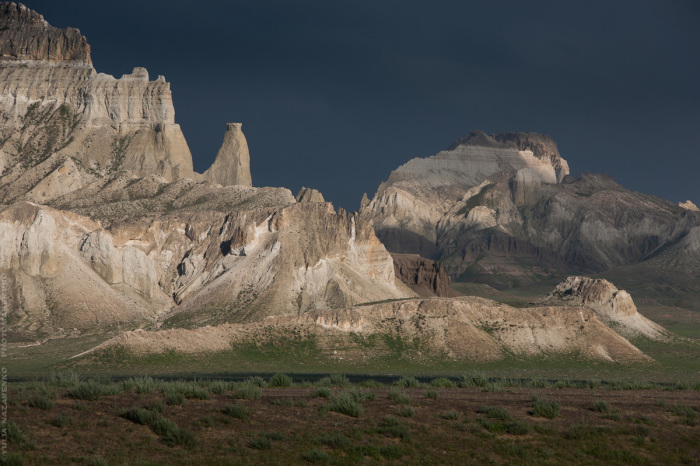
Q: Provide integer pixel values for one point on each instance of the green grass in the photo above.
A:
(408, 382)
(323, 392)
(61, 420)
(431, 394)
(406, 411)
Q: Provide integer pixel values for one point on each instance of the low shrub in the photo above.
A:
(280, 380)
(346, 404)
(334, 440)
(518, 428)
(407, 411)
(408, 382)
(140, 416)
(316, 456)
(247, 391)
(494, 412)
(323, 392)
(450, 415)
(260, 443)
(89, 391)
(61, 420)
(174, 398)
(431, 394)
(41, 401)
(237, 411)
(546, 409)
(442, 382)
(601, 407)
(399, 397)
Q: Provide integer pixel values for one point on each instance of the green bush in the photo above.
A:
(260, 443)
(316, 456)
(256, 380)
(518, 428)
(371, 384)
(15, 434)
(474, 379)
(64, 379)
(140, 416)
(219, 387)
(173, 435)
(280, 380)
(546, 409)
(442, 382)
(196, 393)
(601, 407)
(14, 459)
(346, 404)
(157, 406)
(407, 411)
(450, 415)
(61, 420)
(399, 397)
(89, 390)
(334, 380)
(431, 394)
(334, 440)
(237, 411)
(41, 401)
(174, 398)
(494, 412)
(408, 382)
(247, 391)
(686, 414)
(392, 427)
(144, 385)
(323, 392)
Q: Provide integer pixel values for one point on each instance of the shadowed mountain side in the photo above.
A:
(502, 210)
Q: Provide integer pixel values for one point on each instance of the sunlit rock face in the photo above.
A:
(53, 101)
(232, 163)
(612, 306)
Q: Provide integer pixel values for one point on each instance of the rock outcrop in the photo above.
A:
(612, 306)
(25, 35)
(425, 277)
(232, 163)
(466, 329)
(689, 205)
(309, 195)
(189, 267)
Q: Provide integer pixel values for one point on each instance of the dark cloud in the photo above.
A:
(336, 94)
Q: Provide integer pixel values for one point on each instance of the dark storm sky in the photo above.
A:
(334, 95)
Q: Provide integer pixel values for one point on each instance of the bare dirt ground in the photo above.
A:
(419, 426)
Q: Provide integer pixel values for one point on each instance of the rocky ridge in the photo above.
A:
(612, 306)
(467, 328)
